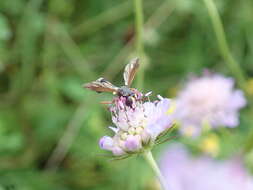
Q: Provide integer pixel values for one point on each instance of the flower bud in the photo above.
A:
(106, 143)
(133, 143)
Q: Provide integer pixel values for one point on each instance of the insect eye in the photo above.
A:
(102, 80)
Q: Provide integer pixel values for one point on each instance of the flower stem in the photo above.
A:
(232, 64)
(139, 39)
(152, 163)
(139, 25)
(223, 45)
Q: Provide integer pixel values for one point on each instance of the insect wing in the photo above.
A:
(130, 71)
(101, 85)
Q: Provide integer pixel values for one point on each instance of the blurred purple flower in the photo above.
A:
(137, 126)
(184, 172)
(211, 100)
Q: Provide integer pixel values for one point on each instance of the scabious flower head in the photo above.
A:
(185, 172)
(210, 99)
(137, 124)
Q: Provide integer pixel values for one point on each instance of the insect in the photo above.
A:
(102, 85)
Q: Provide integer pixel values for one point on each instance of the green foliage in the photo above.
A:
(49, 48)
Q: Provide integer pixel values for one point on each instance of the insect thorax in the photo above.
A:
(125, 91)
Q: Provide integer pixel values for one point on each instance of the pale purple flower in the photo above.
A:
(137, 126)
(211, 100)
(184, 172)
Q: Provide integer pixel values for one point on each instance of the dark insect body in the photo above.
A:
(102, 85)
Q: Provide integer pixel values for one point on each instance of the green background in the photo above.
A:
(49, 48)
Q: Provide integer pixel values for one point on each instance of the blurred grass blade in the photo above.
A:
(108, 17)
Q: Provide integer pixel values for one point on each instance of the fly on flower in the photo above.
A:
(102, 85)
(139, 124)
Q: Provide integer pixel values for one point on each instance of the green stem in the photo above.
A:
(139, 26)
(152, 163)
(231, 62)
(223, 45)
(139, 39)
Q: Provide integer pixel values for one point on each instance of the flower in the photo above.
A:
(184, 172)
(210, 145)
(138, 124)
(210, 100)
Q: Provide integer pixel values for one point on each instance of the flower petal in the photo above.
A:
(133, 143)
(106, 143)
